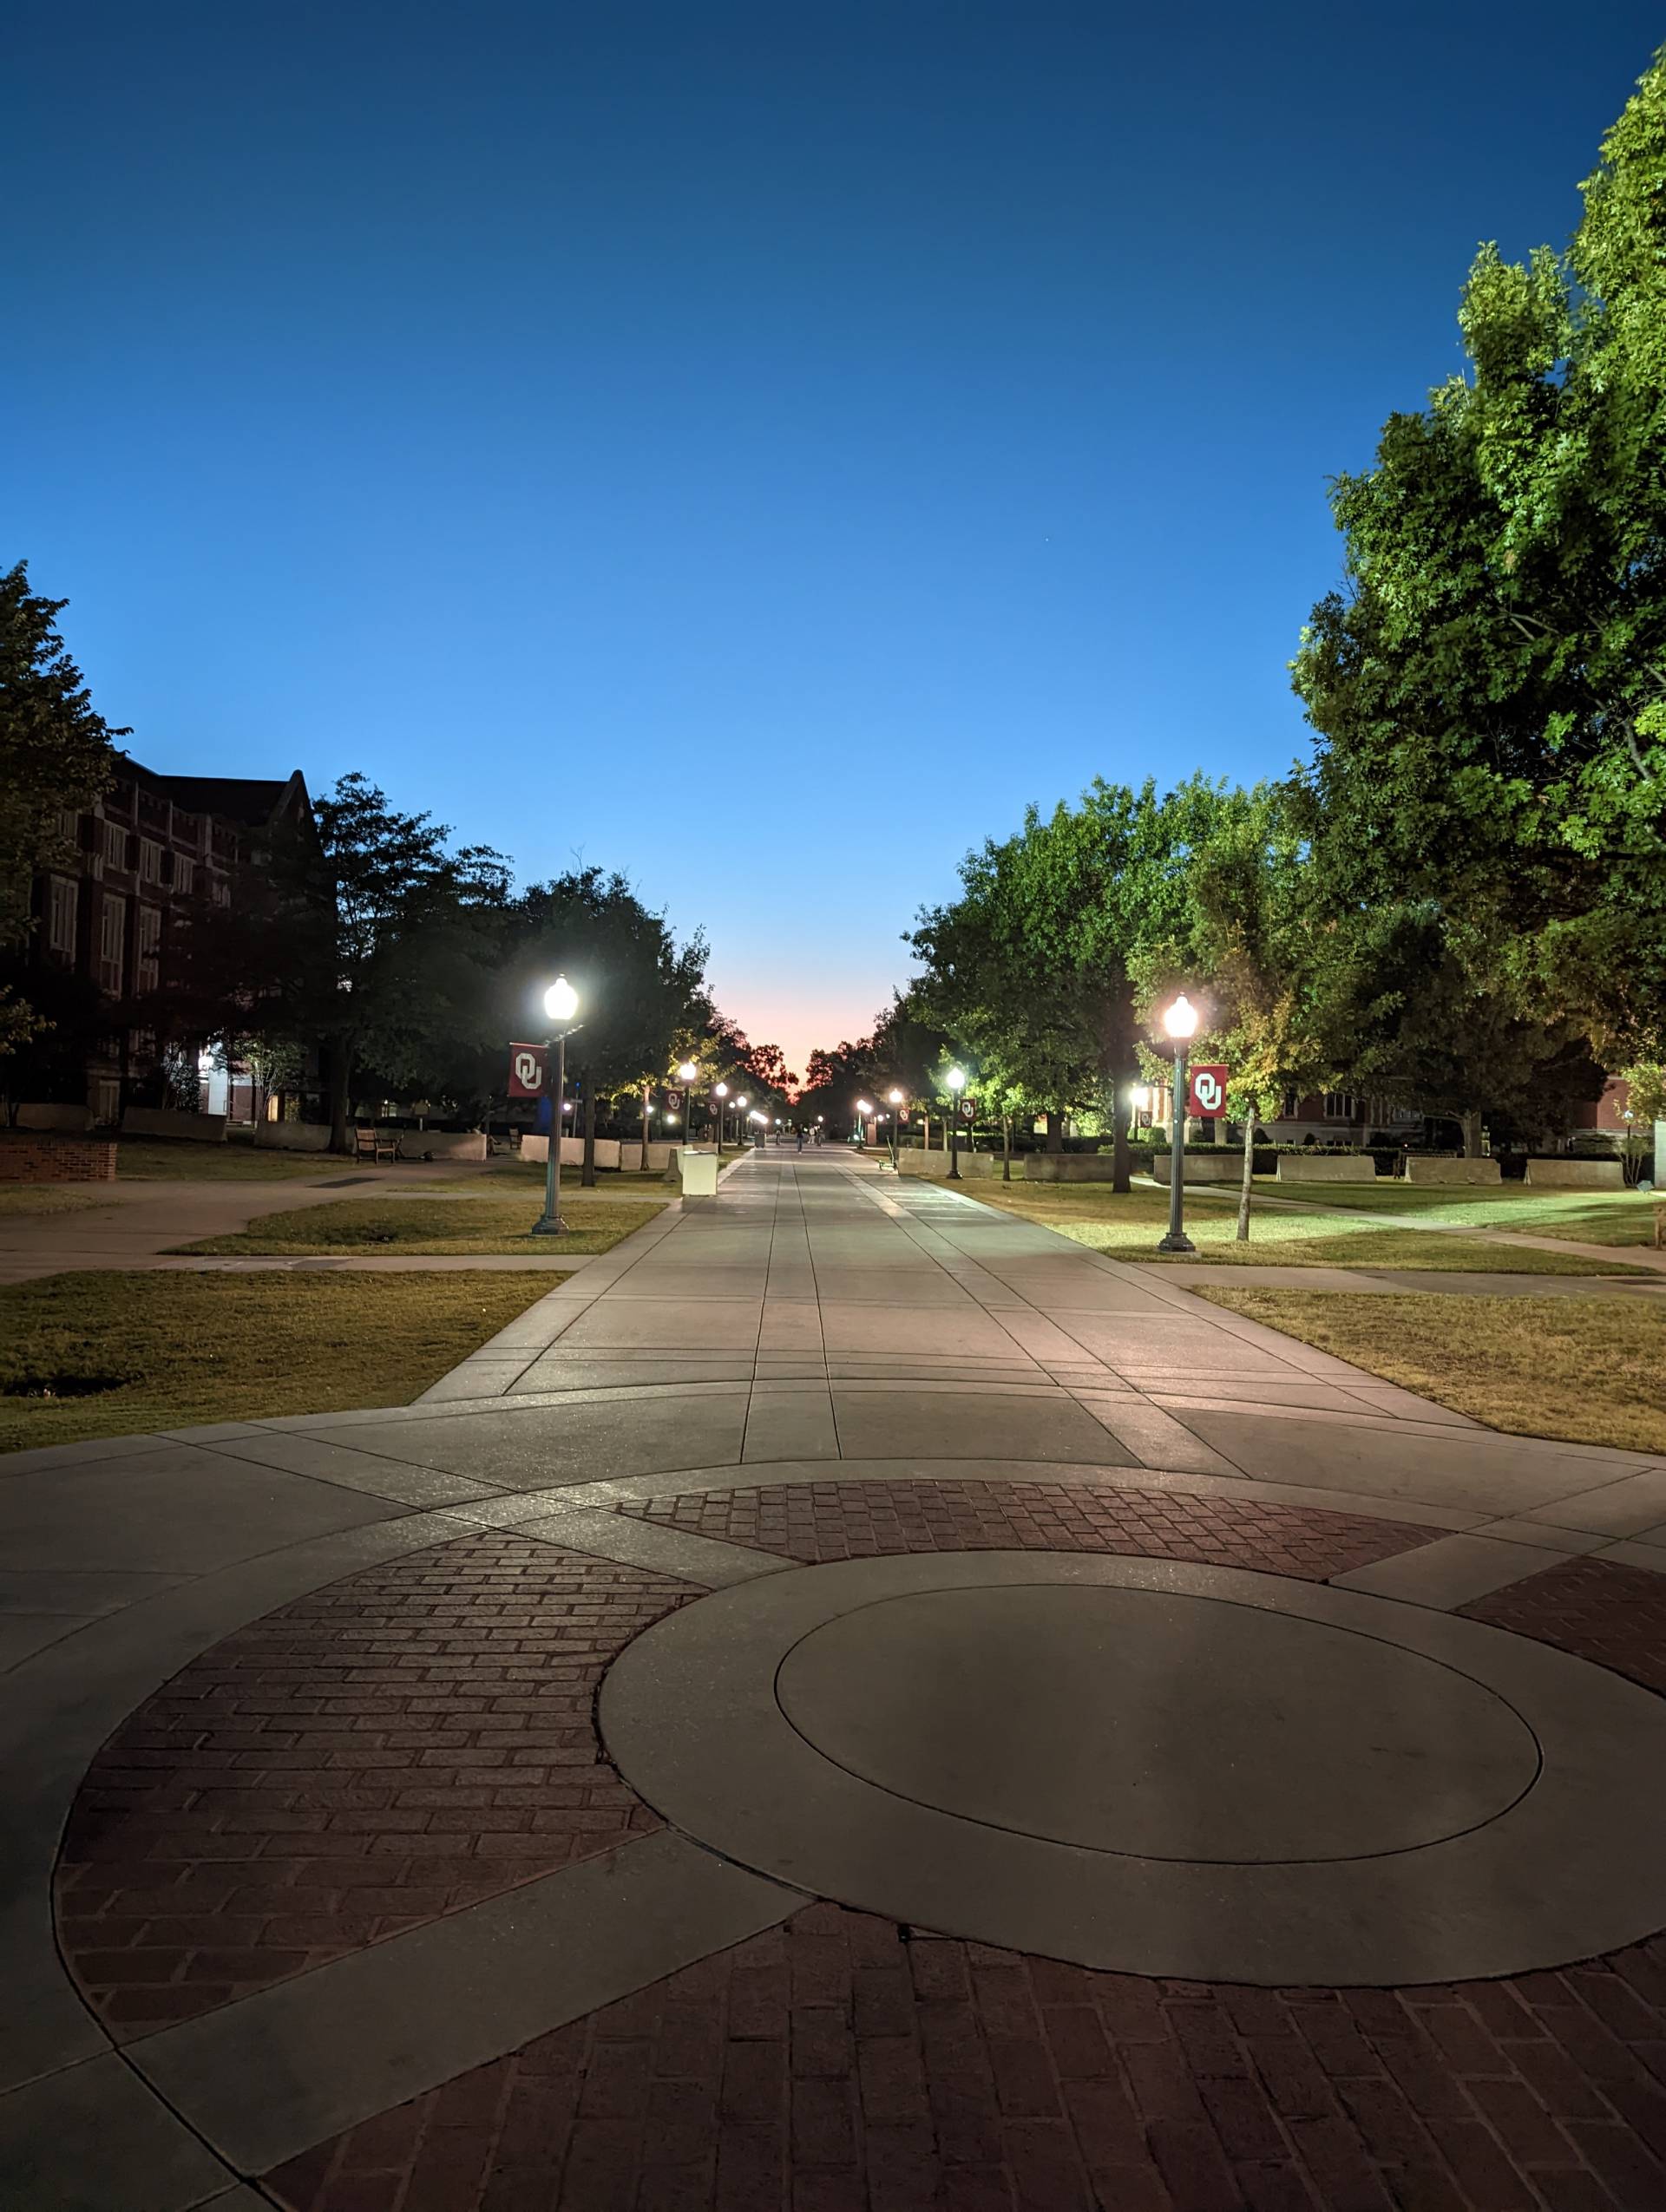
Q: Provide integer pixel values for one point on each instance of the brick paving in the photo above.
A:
(814, 1522)
(401, 1744)
(842, 2063)
(1596, 1609)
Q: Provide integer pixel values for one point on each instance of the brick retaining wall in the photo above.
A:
(44, 1156)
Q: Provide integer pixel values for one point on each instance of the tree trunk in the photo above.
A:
(1055, 1131)
(1005, 1147)
(1248, 1172)
(587, 1173)
(1471, 1123)
(340, 1066)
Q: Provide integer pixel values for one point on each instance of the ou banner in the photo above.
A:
(525, 1071)
(1206, 1091)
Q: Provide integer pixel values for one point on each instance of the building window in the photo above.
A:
(1289, 1106)
(219, 891)
(185, 875)
(150, 860)
(150, 942)
(1339, 1106)
(69, 827)
(62, 904)
(115, 845)
(112, 942)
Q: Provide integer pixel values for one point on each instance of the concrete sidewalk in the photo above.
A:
(851, 1699)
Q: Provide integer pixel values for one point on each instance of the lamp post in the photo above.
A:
(720, 1092)
(863, 1110)
(1180, 1020)
(956, 1081)
(686, 1075)
(561, 1003)
(895, 1097)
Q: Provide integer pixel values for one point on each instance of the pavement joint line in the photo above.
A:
(379, 2026)
(713, 1562)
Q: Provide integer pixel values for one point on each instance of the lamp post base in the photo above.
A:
(555, 1228)
(1177, 1240)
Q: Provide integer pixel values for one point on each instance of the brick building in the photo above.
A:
(105, 916)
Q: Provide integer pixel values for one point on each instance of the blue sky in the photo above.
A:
(759, 448)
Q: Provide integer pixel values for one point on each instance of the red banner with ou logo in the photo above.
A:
(1206, 1090)
(525, 1071)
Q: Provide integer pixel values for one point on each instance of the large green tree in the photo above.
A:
(1489, 691)
(56, 755)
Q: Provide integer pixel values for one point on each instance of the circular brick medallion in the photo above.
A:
(1308, 1786)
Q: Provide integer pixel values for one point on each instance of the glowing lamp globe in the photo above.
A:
(561, 1000)
(1181, 1019)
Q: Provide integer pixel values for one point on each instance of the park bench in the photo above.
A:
(374, 1145)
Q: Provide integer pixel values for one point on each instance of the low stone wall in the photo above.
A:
(169, 1121)
(534, 1147)
(74, 1121)
(47, 1156)
(1200, 1167)
(1419, 1170)
(1321, 1167)
(973, 1165)
(630, 1157)
(291, 1137)
(1066, 1167)
(1577, 1175)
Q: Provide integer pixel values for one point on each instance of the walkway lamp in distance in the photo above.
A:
(561, 1003)
(1180, 1020)
(957, 1081)
(720, 1092)
(896, 1099)
(864, 1108)
(686, 1076)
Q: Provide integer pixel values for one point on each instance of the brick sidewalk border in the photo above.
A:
(842, 2063)
(389, 1750)
(813, 1521)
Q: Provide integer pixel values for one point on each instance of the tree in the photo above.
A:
(638, 990)
(407, 940)
(1489, 694)
(55, 755)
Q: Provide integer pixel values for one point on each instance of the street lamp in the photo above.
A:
(561, 1003)
(863, 1110)
(720, 1092)
(1180, 1020)
(895, 1097)
(686, 1075)
(956, 1081)
(740, 1108)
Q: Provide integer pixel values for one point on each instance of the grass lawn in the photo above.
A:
(21, 1200)
(124, 1354)
(1585, 1370)
(1585, 1216)
(1127, 1226)
(164, 1159)
(369, 1226)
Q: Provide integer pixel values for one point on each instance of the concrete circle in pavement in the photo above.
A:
(1134, 1721)
(1193, 1772)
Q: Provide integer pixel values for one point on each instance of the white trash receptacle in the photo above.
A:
(697, 1171)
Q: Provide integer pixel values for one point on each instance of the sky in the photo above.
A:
(757, 448)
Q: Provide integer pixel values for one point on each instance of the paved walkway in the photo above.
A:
(852, 1701)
